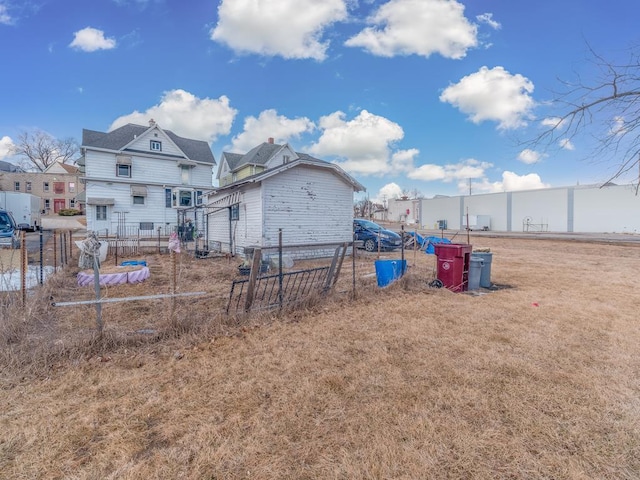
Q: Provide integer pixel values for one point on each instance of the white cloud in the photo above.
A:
(288, 28)
(91, 39)
(552, 122)
(566, 144)
(511, 182)
(488, 19)
(618, 127)
(402, 160)
(6, 147)
(390, 190)
(420, 27)
(493, 94)
(186, 115)
(363, 144)
(529, 156)
(5, 18)
(269, 124)
(469, 168)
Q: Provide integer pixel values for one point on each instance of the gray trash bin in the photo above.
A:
(475, 271)
(485, 277)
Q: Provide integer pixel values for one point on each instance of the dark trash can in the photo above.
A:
(453, 265)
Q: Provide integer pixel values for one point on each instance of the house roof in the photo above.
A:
(119, 138)
(258, 155)
(9, 167)
(72, 169)
(303, 159)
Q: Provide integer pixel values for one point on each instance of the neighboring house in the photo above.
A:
(277, 188)
(58, 186)
(143, 178)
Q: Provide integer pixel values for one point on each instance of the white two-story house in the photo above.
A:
(139, 177)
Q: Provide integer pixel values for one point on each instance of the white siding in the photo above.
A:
(246, 231)
(545, 207)
(310, 205)
(156, 173)
(143, 144)
(609, 209)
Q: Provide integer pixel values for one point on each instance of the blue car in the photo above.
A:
(369, 233)
(8, 230)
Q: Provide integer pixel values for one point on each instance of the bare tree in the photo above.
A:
(38, 150)
(607, 108)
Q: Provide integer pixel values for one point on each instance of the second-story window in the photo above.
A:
(28, 185)
(45, 186)
(156, 146)
(123, 170)
(16, 186)
(123, 166)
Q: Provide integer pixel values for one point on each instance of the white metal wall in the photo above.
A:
(609, 209)
(614, 209)
(547, 207)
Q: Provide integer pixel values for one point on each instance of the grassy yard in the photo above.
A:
(538, 379)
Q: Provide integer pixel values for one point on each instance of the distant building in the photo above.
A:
(58, 186)
(605, 208)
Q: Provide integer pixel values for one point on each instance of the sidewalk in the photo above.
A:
(76, 223)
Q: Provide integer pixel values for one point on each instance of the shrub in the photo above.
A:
(68, 212)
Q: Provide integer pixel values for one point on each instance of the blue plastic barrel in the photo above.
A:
(388, 271)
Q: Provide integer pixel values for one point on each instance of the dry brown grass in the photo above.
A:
(405, 382)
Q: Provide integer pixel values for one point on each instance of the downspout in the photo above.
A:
(230, 235)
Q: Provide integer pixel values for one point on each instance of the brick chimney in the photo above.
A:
(270, 140)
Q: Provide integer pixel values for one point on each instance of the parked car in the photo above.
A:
(369, 233)
(9, 234)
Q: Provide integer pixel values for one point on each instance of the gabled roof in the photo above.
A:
(259, 155)
(303, 159)
(72, 169)
(118, 139)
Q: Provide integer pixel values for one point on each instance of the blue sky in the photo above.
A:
(427, 95)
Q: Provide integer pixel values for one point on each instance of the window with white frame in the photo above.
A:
(137, 199)
(72, 203)
(28, 186)
(155, 145)
(45, 186)
(123, 170)
(47, 204)
(16, 186)
(101, 212)
(72, 187)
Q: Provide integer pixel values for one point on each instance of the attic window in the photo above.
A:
(156, 146)
(286, 158)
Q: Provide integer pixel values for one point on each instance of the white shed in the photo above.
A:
(309, 199)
